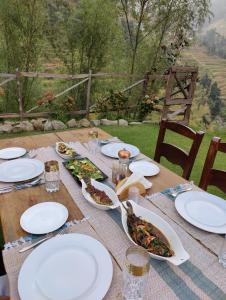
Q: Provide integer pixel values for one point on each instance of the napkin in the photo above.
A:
(136, 180)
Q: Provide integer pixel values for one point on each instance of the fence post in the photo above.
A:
(19, 95)
(88, 94)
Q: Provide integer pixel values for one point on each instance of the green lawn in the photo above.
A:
(145, 137)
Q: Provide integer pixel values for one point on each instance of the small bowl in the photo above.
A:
(102, 187)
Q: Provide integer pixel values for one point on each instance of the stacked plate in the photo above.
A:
(203, 210)
(68, 267)
(21, 169)
(112, 150)
(12, 152)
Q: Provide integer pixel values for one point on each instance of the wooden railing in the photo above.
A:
(84, 78)
(185, 78)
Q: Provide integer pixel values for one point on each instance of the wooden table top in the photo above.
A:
(12, 205)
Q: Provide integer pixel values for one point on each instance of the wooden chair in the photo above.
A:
(173, 153)
(212, 176)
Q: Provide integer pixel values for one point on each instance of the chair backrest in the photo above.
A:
(175, 154)
(212, 176)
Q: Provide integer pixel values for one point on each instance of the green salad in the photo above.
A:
(84, 168)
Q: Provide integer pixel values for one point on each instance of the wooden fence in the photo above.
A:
(175, 73)
(83, 78)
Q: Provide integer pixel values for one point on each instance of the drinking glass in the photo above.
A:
(135, 273)
(115, 172)
(52, 176)
(222, 253)
(134, 194)
(93, 142)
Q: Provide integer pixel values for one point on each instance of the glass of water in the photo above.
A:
(135, 273)
(93, 142)
(52, 176)
(222, 253)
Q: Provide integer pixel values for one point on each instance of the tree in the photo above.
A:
(214, 100)
(81, 32)
(166, 25)
(22, 24)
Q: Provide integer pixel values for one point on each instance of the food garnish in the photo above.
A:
(84, 168)
(65, 150)
(100, 197)
(147, 235)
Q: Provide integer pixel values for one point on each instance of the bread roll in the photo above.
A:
(124, 193)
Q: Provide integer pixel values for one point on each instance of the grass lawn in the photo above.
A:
(145, 138)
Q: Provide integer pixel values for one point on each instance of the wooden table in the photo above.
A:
(202, 246)
(13, 204)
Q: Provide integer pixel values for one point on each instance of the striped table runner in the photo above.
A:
(199, 278)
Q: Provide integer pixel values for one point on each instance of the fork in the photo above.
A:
(47, 237)
(21, 185)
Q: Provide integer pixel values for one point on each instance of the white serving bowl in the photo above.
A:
(102, 187)
(180, 255)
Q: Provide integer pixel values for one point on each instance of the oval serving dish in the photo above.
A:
(102, 187)
(65, 156)
(180, 255)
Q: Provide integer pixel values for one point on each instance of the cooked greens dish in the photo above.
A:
(147, 235)
(81, 168)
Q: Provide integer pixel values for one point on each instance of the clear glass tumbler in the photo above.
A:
(93, 142)
(135, 273)
(52, 176)
(134, 194)
(222, 253)
(115, 173)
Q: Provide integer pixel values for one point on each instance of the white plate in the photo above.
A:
(113, 149)
(180, 255)
(68, 267)
(11, 153)
(102, 187)
(145, 168)
(203, 210)
(21, 169)
(44, 217)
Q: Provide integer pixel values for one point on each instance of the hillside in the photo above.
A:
(213, 65)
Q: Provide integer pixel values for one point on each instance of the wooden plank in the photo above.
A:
(30, 142)
(13, 204)
(7, 80)
(88, 94)
(80, 135)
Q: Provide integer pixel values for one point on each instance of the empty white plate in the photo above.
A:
(68, 267)
(21, 169)
(145, 168)
(44, 217)
(203, 210)
(11, 153)
(112, 150)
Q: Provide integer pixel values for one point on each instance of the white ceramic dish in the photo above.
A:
(203, 210)
(44, 217)
(145, 168)
(102, 187)
(112, 150)
(64, 156)
(180, 255)
(12, 152)
(67, 267)
(21, 169)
